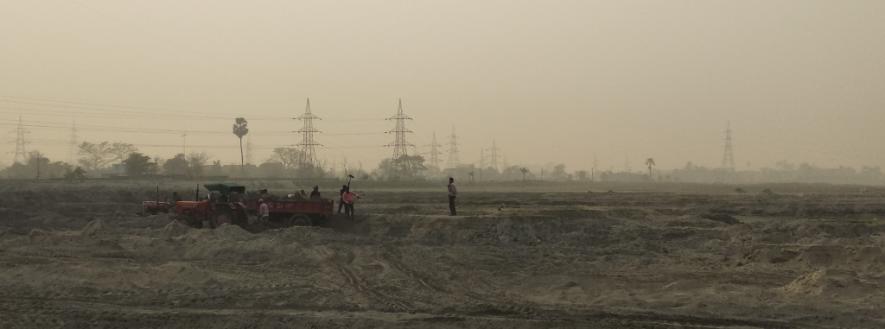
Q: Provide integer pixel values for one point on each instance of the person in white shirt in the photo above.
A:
(263, 211)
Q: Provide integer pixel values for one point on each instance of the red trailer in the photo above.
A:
(288, 212)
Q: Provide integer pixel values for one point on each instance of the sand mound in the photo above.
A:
(92, 228)
(829, 283)
(38, 235)
(509, 231)
(175, 228)
(232, 232)
(823, 255)
(720, 217)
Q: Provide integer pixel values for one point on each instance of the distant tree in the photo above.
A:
(176, 166)
(78, 174)
(582, 175)
(404, 167)
(95, 156)
(37, 162)
(138, 164)
(216, 169)
(37, 166)
(559, 172)
(57, 169)
(310, 171)
(650, 163)
(290, 157)
(271, 168)
(121, 151)
(240, 129)
(195, 163)
(524, 172)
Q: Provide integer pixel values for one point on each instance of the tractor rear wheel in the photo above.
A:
(221, 219)
(301, 220)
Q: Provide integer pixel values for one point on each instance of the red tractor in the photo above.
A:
(223, 206)
(155, 207)
(229, 204)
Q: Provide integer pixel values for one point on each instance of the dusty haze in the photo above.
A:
(549, 80)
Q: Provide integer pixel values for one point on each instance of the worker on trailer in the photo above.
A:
(315, 194)
(263, 211)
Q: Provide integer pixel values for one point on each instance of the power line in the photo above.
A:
(118, 129)
(48, 141)
(88, 109)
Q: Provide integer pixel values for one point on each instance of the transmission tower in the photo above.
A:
(308, 143)
(21, 153)
(400, 146)
(728, 153)
(482, 162)
(453, 150)
(434, 152)
(72, 144)
(494, 155)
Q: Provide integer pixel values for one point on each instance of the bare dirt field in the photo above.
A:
(78, 256)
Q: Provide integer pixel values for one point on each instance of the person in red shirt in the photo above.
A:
(348, 198)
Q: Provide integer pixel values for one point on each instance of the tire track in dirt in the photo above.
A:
(361, 286)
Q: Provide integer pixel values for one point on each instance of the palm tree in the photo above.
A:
(241, 128)
(524, 171)
(650, 162)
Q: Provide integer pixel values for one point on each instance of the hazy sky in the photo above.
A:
(549, 80)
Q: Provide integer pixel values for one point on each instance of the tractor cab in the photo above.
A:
(221, 193)
(223, 205)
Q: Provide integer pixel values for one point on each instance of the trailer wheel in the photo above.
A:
(301, 220)
(221, 219)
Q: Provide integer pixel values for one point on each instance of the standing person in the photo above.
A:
(315, 194)
(341, 198)
(263, 211)
(453, 192)
(348, 198)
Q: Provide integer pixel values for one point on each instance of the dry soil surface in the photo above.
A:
(514, 260)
